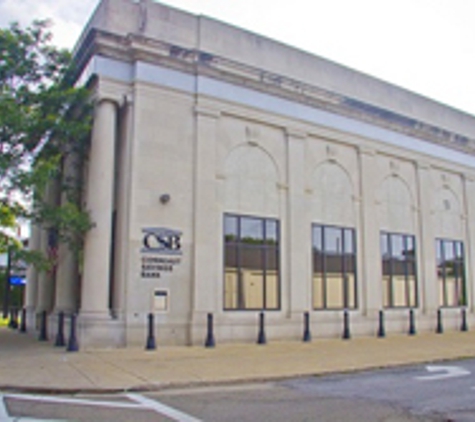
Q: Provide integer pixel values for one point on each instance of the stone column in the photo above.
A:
(46, 279)
(428, 288)
(67, 270)
(206, 276)
(99, 200)
(370, 290)
(299, 258)
(31, 290)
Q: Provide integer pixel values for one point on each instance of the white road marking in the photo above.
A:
(65, 400)
(163, 409)
(449, 372)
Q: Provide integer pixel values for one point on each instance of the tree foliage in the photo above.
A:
(43, 120)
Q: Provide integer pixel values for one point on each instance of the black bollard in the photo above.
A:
(209, 342)
(464, 325)
(307, 336)
(23, 321)
(60, 342)
(261, 337)
(73, 345)
(440, 327)
(43, 328)
(346, 325)
(381, 330)
(412, 324)
(150, 344)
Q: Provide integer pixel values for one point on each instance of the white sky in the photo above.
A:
(426, 46)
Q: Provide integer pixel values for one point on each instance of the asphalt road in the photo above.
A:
(417, 393)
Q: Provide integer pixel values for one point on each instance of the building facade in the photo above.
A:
(231, 174)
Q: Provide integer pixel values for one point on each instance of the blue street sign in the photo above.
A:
(17, 281)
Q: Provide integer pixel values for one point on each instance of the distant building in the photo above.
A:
(230, 173)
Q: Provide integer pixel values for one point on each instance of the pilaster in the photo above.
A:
(370, 286)
(206, 268)
(469, 193)
(299, 226)
(426, 262)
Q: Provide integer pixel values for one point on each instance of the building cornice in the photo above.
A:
(136, 47)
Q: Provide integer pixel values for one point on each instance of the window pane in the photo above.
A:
(397, 247)
(387, 301)
(272, 290)
(351, 291)
(252, 231)
(412, 292)
(349, 241)
(317, 238)
(399, 291)
(410, 247)
(334, 290)
(333, 240)
(231, 289)
(318, 302)
(459, 250)
(253, 288)
(384, 240)
(449, 253)
(230, 228)
(230, 257)
(272, 259)
(271, 232)
(251, 259)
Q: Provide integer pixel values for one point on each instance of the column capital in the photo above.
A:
(100, 98)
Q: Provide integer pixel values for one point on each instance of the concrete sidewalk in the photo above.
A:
(29, 365)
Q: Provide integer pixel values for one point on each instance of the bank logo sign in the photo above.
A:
(161, 241)
(161, 251)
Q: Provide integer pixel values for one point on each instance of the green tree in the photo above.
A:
(43, 119)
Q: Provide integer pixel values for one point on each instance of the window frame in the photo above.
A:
(343, 273)
(390, 299)
(264, 250)
(443, 301)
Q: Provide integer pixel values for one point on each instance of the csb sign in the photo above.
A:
(162, 241)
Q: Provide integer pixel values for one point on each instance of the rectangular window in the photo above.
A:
(451, 273)
(334, 267)
(251, 263)
(398, 255)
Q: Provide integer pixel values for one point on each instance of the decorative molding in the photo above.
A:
(332, 152)
(202, 110)
(295, 133)
(252, 133)
(365, 150)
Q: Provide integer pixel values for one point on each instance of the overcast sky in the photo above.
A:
(426, 46)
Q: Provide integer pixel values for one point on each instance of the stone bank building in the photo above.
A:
(232, 174)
